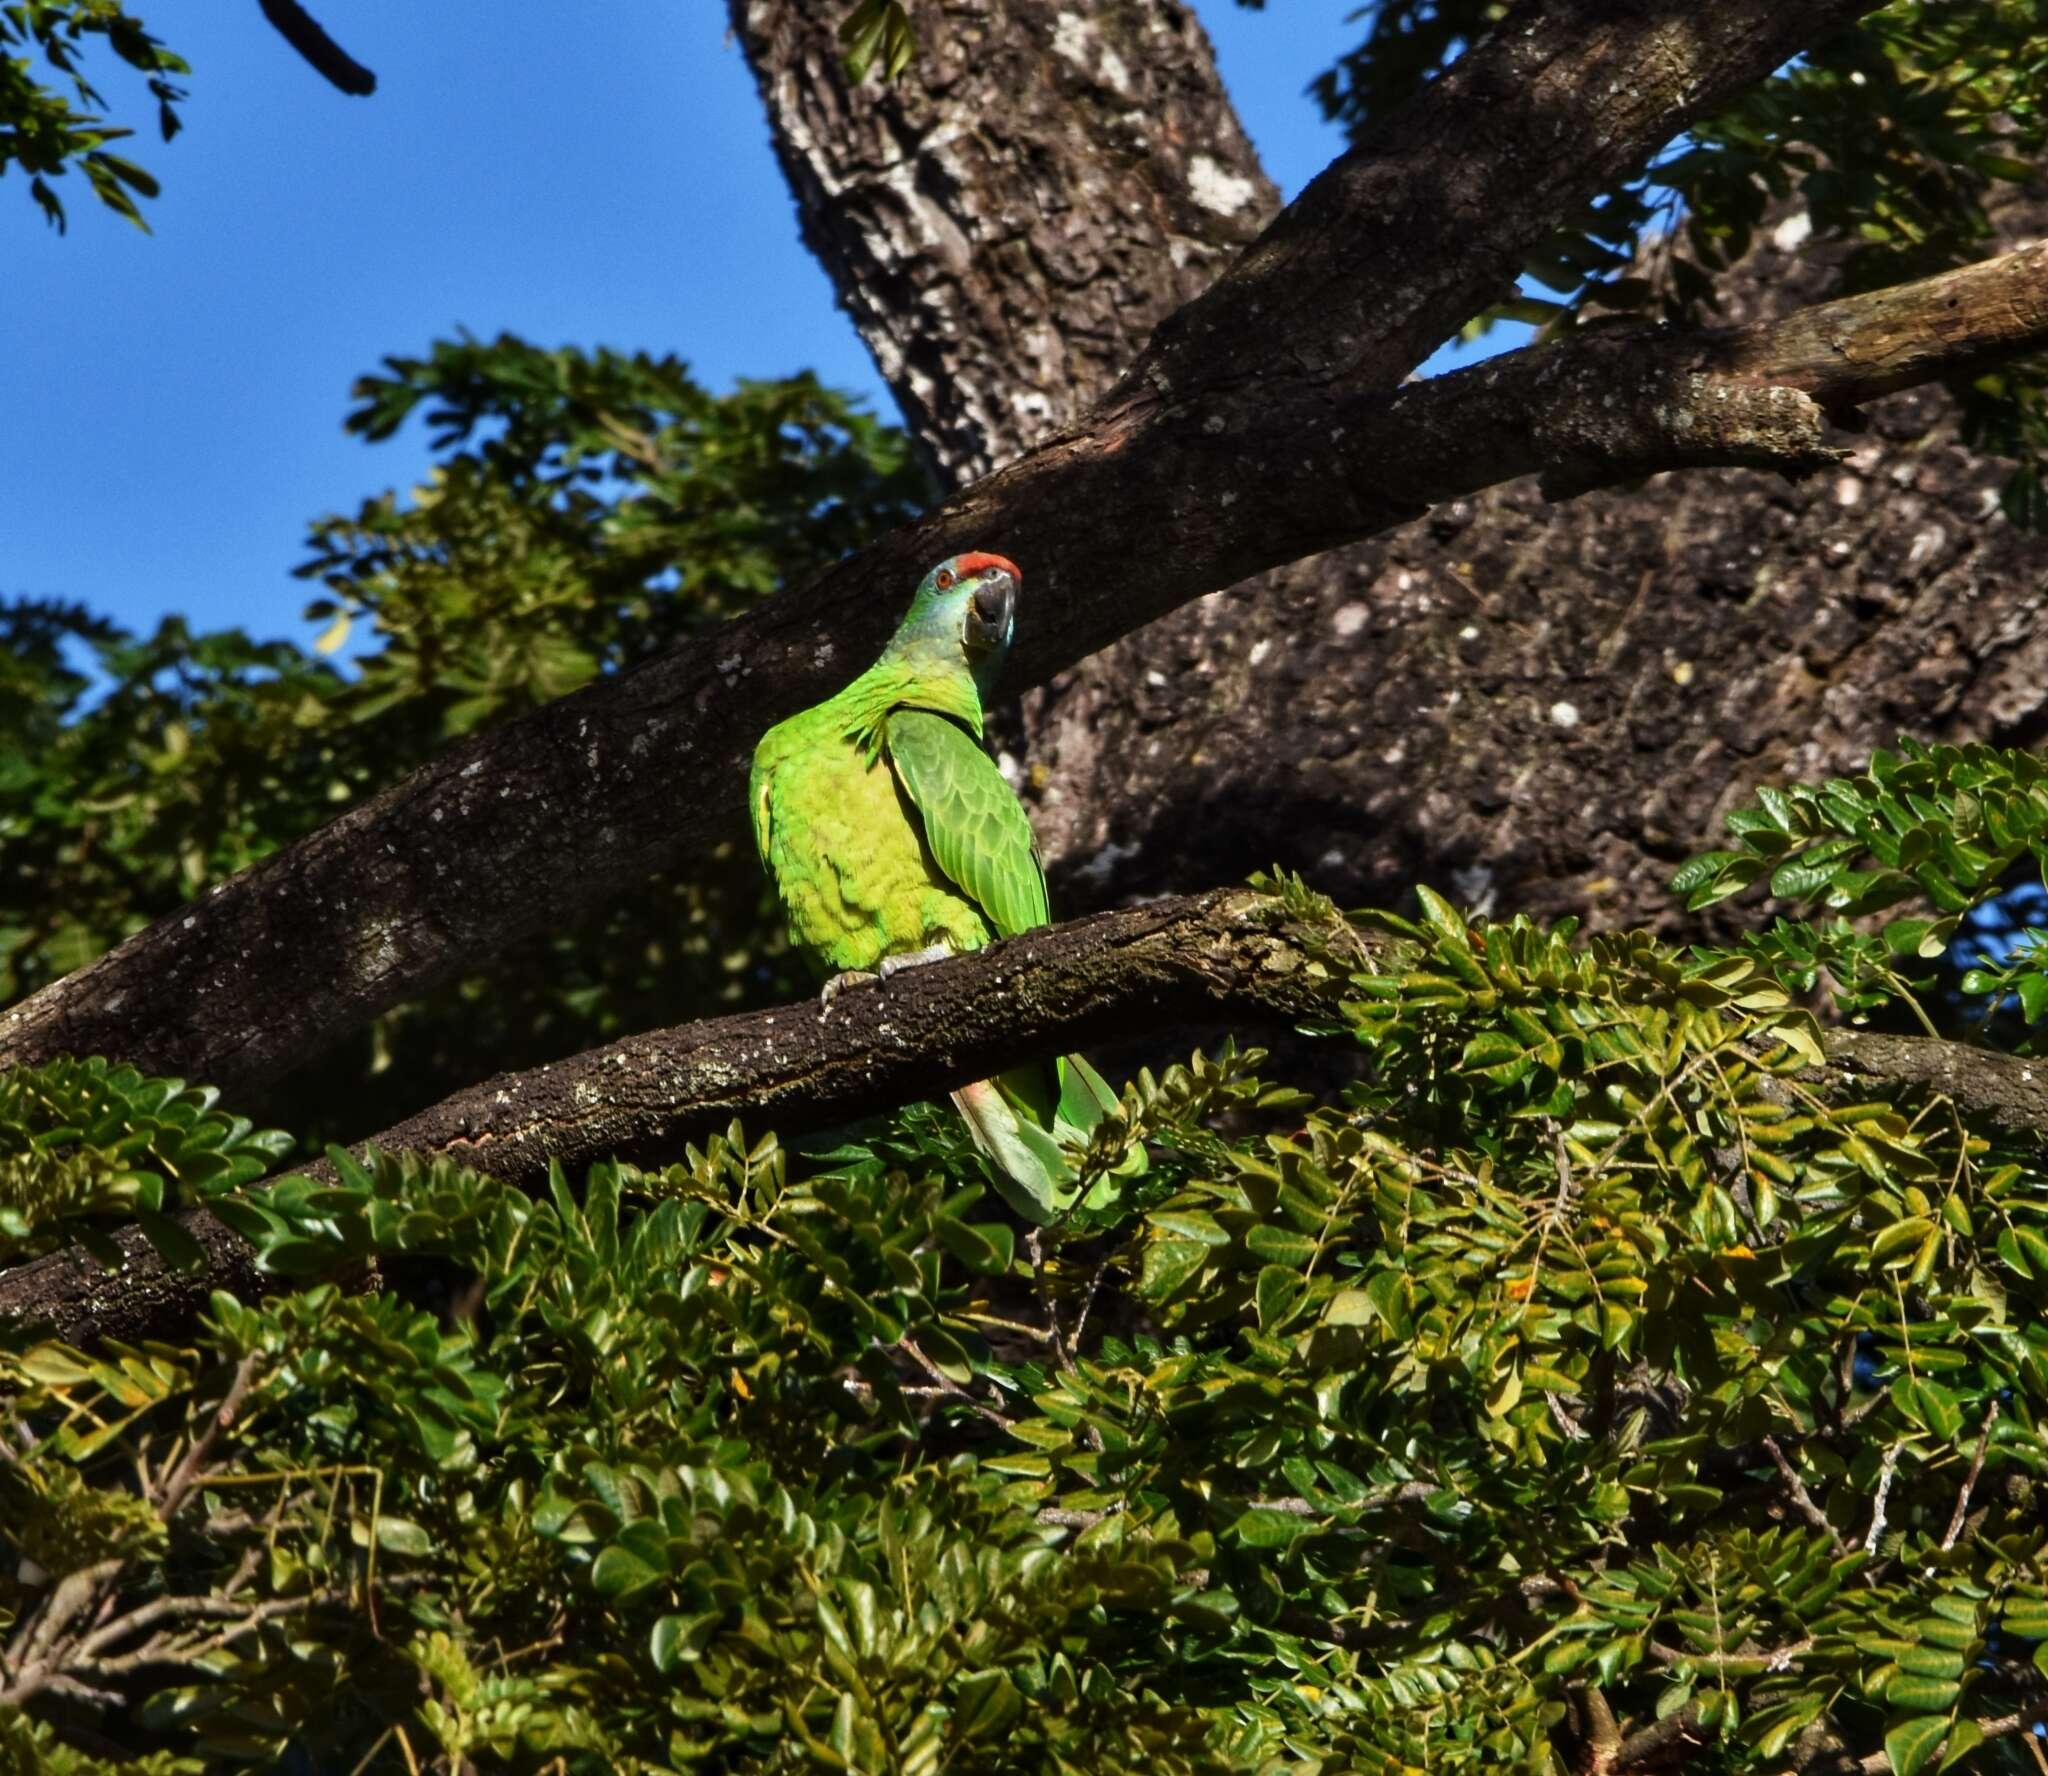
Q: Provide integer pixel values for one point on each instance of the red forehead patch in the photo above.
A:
(964, 565)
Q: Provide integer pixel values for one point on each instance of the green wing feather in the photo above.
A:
(978, 831)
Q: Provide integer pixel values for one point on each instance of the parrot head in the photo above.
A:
(964, 612)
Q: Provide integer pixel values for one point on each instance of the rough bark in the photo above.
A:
(1607, 404)
(796, 1068)
(1229, 953)
(544, 816)
(1546, 707)
(1539, 706)
(1044, 187)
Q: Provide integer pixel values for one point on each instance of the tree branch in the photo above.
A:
(1227, 954)
(1613, 403)
(305, 34)
(2010, 1092)
(795, 1069)
(1386, 254)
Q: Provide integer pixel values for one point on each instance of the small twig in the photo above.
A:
(186, 1473)
(1572, 1429)
(1088, 1300)
(31, 1663)
(149, 1614)
(1034, 1246)
(1056, 1518)
(192, 1652)
(376, 1745)
(1955, 1523)
(58, 1684)
(1884, 1489)
(1784, 1658)
(947, 1385)
(1801, 1497)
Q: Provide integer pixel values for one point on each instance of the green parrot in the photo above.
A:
(892, 839)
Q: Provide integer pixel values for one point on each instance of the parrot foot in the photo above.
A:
(851, 977)
(938, 952)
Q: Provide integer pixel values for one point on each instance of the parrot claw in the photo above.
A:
(851, 977)
(938, 952)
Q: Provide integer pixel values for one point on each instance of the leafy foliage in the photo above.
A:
(878, 31)
(82, 1142)
(587, 510)
(46, 133)
(1587, 1383)
(1946, 825)
(1587, 1374)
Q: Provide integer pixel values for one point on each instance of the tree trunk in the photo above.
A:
(1009, 222)
(1534, 705)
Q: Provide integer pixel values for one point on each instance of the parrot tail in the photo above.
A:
(1016, 1121)
(1031, 1171)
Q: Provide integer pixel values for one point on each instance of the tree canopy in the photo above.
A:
(430, 1339)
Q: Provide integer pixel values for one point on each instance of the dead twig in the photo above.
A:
(181, 1478)
(1884, 1492)
(1962, 1511)
(947, 1385)
(1801, 1498)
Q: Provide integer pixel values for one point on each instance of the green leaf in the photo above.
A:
(1280, 1245)
(1925, 1694)
(1497, 1055)
(619, 1572)
(1261, 1527)
(2033, 992)
(1191, 1224)
(1168, 1266)
(1912, 1742)
(398, 1535)
(985, 1246)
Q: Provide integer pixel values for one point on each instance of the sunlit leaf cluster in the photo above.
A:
(1594, 1375)
(50, 112)
(1947, 828)
(83, 1144)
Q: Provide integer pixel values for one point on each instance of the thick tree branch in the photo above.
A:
(1613, 403)
(2010, 1092)
(795, 1069)
(1182, 468)
(1229, 954)
(1398, 242)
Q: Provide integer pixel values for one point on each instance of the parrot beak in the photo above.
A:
(991, 613)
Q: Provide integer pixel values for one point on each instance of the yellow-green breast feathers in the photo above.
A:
(847, 851)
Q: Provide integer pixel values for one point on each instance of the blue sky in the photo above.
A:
(173, 401)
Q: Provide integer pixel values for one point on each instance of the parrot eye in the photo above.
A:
(943, 579)
(989, 573)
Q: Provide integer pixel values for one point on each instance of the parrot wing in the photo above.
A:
(977, 830)
(981, 838)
